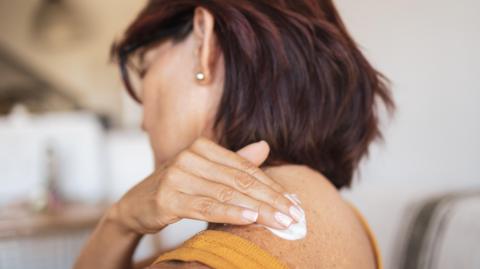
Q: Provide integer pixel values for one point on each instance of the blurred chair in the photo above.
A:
(444, 233)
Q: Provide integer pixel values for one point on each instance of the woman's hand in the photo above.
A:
(206, 182)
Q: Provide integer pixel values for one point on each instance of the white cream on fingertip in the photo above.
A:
(297, 212)
(283, 219)
(296, 230)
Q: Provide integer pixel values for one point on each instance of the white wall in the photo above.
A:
(429, 49)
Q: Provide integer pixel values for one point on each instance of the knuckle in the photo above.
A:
(225, 195)
(182, 157)
(199, 142)
(248, 167)
(204, 206)
(169, 175)
(276, 200)
(161, 198)
(243, 180)
(258, 207)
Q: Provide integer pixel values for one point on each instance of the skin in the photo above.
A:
(196, 178)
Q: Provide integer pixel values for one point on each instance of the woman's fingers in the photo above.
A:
(192, 185)
(208, 209)
(256, 153)
(236, 179)
(216, 153)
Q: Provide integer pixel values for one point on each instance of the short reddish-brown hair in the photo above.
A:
(293, 77)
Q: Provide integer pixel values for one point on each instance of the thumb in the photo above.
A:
(256, 152)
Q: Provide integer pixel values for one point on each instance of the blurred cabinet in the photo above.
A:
(50, 241)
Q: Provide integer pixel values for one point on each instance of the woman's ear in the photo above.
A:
(204, 35)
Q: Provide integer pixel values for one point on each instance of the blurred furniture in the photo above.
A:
(443, 233)
(78, 142)
(45, 240)
(422, 225)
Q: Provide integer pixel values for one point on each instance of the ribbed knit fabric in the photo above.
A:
(224, 250)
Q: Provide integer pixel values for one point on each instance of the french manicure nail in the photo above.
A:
(292, 197)
(295, 197)
(296, 212)
(250, 215)
(283, 219)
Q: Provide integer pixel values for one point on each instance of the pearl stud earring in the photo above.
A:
(200, 76)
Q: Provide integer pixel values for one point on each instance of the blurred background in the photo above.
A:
(70, 142)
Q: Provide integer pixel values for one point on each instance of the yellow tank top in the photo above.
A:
(223, 250)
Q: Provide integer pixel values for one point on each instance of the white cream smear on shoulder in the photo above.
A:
(296, 230)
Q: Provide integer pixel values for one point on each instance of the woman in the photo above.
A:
(213, 78)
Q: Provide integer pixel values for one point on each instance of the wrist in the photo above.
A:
(113, 220)
(111, 244)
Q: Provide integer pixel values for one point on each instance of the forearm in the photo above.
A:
(110, 246)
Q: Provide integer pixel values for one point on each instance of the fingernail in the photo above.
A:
(283, 219)
(250, 215)
(295, 197)
(296, 212)
(292, 197)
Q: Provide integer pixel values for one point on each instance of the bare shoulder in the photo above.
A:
(335, 237)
